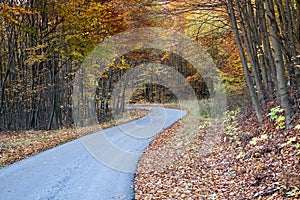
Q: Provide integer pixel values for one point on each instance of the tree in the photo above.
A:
(271, 48)
(42, 46)
(253, 93)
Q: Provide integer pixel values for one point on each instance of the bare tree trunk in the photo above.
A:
(279, 63)
(298, 23)
(250, 46)
(3, 83)
(266, 45)
(249, 80)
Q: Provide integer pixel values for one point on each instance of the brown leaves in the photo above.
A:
(19, 145)
(237, 169)
(16, 146)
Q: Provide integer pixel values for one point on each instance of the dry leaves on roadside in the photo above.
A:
(257, 162)
(17, 145)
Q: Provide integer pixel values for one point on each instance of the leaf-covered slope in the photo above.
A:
(252, 161)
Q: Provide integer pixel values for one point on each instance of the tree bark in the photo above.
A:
(250, 46)
(249, 80)
(268, 56)
(279, 63)
(298, 23)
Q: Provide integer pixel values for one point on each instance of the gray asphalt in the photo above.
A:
(98, 166)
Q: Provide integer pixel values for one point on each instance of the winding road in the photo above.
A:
(98, 166)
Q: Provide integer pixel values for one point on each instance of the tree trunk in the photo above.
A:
(248, 37)
(298, 23)
(279, 63)
(266, 45)
(249, 80)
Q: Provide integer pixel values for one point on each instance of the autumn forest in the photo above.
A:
(255, 45)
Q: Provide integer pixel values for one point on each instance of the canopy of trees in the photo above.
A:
(255, 45)
(42, 45)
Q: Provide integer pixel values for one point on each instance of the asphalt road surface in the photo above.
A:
(98, 166)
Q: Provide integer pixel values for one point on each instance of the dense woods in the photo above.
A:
(42, 46)
(269, 32)
(255, 45)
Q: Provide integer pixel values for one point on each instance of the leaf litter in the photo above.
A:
(17, 145)
(250, 160)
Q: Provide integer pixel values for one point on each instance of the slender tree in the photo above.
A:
(253, 94)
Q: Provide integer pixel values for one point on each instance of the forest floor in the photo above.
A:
(17, 145)
(251, 160)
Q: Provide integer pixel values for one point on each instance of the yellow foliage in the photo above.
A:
(11, 13)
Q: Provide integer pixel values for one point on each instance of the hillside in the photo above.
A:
(252, 161)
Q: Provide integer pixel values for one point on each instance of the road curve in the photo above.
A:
(87, 168)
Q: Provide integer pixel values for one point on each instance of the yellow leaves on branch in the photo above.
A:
(33, 59)
(88, 23)
(37, 54)
(11, 13)
(91, 19)
(123, 64)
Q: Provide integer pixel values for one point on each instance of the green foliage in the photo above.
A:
(276, 115)
(273, 112)
(293, 192)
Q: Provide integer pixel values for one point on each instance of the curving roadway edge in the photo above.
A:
(88, 168)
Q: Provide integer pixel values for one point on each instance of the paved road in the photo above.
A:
(98, 166)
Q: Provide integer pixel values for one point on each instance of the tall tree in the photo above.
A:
(253, 94)
(270, 37)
